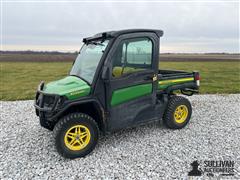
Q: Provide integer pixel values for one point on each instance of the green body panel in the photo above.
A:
(125, 94)
(72, 87)
(166, 83)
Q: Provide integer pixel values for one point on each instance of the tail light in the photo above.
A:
(197, 78)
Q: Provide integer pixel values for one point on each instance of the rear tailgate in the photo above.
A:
(178, 80)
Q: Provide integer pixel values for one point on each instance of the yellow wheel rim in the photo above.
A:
(180, 114)
(77, 137)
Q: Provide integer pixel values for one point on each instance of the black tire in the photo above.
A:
(65, 124)
(169, 118)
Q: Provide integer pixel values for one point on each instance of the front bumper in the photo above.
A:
(46, 106)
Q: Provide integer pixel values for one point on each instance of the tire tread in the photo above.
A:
(168, 115)
(64, 121)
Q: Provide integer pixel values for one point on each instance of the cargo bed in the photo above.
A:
(172, 80)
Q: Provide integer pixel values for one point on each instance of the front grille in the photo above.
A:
(48, 101)
(45, 101)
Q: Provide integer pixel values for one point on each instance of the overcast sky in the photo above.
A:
(188, 27)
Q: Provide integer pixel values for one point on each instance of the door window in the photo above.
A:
(132, 55)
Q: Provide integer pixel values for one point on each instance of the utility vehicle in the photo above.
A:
(114, 83)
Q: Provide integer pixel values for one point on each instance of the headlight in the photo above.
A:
(60, 101)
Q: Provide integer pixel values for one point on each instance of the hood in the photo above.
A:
(72, 87)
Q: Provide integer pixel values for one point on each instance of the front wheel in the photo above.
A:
(178, 112)
(76, 135)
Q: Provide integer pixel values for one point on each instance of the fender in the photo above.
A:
(82, 101)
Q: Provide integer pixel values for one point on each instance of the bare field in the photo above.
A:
(37, 57)
(69, 57)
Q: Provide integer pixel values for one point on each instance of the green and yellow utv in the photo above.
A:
(114, 83)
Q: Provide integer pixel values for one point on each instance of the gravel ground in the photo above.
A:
(146, 152)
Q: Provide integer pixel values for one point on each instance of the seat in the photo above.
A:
(118, 71)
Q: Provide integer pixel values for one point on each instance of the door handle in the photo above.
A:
(155, 77)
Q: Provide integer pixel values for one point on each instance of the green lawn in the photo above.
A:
(19, 80)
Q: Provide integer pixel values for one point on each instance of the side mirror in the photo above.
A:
(105, 73)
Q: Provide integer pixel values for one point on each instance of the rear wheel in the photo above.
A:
(178, 112)
(76, 135)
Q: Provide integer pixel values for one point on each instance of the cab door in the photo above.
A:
(131, 89)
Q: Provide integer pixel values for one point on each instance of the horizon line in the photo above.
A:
(59, 51)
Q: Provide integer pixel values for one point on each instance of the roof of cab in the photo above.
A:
(109, 34)
(126, 31)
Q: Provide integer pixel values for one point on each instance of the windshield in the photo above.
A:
(87, 61)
